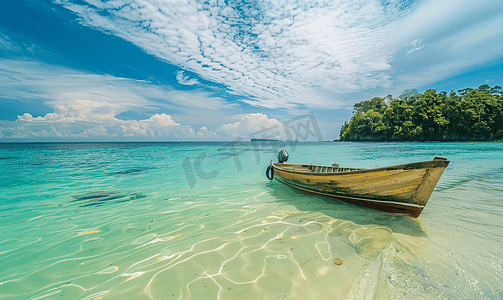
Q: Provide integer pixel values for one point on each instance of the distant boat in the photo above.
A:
(402, 189)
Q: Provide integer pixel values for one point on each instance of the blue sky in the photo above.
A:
(165, 70)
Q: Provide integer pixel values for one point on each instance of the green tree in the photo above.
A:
(408, 95)
(473, 114)
(464, 91)
(496, 90)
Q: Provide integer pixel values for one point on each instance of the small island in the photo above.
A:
(471, 115)
(264, 140)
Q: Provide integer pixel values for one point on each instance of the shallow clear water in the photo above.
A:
(201, 221)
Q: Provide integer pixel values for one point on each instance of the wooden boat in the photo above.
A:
(402, 189)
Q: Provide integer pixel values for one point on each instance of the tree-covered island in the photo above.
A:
(469, 114)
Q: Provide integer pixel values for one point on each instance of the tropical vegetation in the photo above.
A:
(468, 114)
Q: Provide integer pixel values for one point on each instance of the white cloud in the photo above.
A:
(416, 46)
(185, 80)
(460, 35)
(163, 120)
(260, 126)
(87, 106)
(205, 133)
(136, 130)
(290, 54)
(21, 80)
(7, 44)
(80, 110)
(99, 131)
(18, 45)
(275, 54)
(74, 121)
(254, 126)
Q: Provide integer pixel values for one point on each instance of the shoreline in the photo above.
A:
(416, 141)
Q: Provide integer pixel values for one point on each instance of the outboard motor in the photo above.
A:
(282, 156)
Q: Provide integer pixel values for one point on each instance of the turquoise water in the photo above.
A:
(201, 221)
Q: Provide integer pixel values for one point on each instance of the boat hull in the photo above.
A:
(403, 189)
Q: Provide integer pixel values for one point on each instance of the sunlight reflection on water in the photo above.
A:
(81, 226)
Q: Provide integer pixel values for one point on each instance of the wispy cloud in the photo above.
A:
(416, 45)
(280, 54)
(20, 80)
(461, 35)
(7, 44)
(290, 54)
(87, 105)
(12, 44)
(185, 80)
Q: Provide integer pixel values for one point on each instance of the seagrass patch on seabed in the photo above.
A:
(99, 198)
(133, 171)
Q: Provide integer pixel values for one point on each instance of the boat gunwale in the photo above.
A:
(438, 164)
